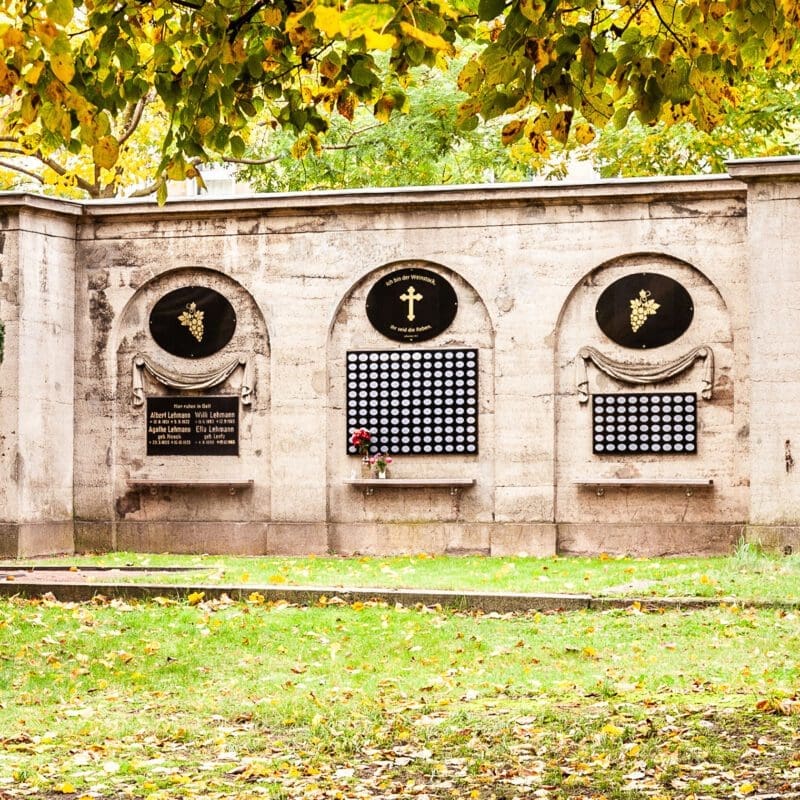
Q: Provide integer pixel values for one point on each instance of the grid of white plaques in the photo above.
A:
(414, 402)
(629, 424)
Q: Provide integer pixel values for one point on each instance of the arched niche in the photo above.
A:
(391, 520)
(647, 508)
(238, 371)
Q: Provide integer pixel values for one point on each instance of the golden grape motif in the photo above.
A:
(192, 318)
(642, 307)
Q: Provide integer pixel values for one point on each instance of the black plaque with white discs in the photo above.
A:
(420, 402)
(633, 424)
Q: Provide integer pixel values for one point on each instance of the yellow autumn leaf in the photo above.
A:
(195, 598)
(46, 31)
(328, 20)
(65, 788)
(205, 125)
(379, 41)
(538, 143)
(13, 38)
(584, 133)
(62, 67)
(512, 131)
(746, 788)
(272, 16)
(431, 40)
(612, 731)
(384, 108)
(278, 578)
(666, 50)
(106, 152)
(560, 126)
(146, 51)
(33, 74)
(539, 51)
(329, 69)
(532, 9)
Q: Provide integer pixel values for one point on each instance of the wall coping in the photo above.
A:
(650, 189)
(624, 190)
(781, 168)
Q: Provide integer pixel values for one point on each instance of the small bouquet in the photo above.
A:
(380, 462)
(361, 440)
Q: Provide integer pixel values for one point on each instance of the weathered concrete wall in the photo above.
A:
(37, 304)
(773, 244)
(528, 264)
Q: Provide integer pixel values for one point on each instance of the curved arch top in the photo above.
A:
(361, 287)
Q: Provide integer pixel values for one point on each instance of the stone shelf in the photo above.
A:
(455, 485)
(687, 484)
(206, 483)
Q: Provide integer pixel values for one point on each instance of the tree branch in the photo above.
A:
(250, 161)
(235, 25)
(21, 170)
(134, 118)
(669, 28)
(91, 189)
(146, 191)
(187, 4)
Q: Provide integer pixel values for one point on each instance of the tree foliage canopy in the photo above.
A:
(76, 75)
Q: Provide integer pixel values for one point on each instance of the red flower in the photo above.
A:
(361, 439)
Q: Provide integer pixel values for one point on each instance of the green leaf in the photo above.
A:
(606, 64)
(489, 9)
(367, 15)
(362, 75)
(60, 12)
(620, 118)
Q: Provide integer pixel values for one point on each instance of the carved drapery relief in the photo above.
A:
(643, 373)
(186, 382)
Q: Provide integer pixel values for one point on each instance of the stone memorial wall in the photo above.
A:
(550, 368)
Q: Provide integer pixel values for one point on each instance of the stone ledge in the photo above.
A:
(491, 602)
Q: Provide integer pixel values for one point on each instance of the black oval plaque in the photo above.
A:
(412, 305)
(644, 310)
(192, 322)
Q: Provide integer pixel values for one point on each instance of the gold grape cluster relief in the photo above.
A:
(642, 307)
(192, 318)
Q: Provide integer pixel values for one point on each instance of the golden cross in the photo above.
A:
(410, 297)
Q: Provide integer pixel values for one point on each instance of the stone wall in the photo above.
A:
(37, 306)
(528, 265)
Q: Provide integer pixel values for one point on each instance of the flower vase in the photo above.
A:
(382, 474)
(366, 467)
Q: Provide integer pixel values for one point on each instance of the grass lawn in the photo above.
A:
(747, 575)
(168, 699)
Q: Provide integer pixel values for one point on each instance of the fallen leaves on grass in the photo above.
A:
(255, 699)
(779, 705)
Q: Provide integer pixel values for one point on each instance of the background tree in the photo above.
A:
(421, 146)
(76, 75)
(765, 122)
